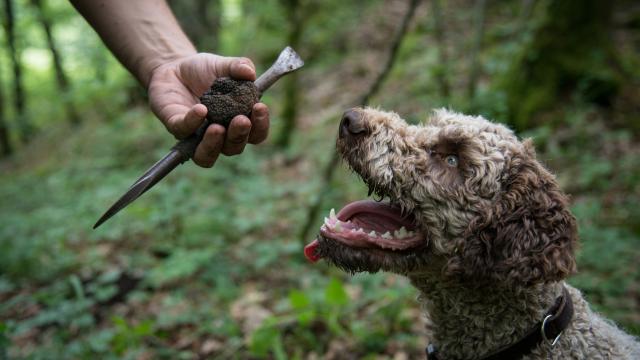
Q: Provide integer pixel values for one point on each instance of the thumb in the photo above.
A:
(236, 67)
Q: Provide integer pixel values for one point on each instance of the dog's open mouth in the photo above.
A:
(368, 224)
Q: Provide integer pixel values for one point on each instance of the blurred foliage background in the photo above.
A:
(209, 264)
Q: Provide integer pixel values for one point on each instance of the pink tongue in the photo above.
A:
(310, 251)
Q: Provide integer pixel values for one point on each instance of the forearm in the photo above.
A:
(142, 34)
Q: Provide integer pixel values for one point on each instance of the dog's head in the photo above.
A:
(464, 198)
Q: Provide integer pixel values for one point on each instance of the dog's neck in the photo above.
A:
(461, 320)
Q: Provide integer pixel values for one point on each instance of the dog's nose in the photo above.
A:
(352, 124)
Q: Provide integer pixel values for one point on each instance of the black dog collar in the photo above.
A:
(548, 330)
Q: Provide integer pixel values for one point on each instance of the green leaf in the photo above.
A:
(263, 338)
(299, 300)
(76, 284)
(278, 348)
(305, 317)
(335, 294)
(144, 328)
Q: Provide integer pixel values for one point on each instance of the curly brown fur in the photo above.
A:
(526, 236)
(498, 238)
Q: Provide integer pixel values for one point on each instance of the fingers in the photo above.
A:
(216, 140)
(237, 135)
(209, 148)
(182, 126)
(236, 67)
(242, 130)
(260, 123)
(243, 68)
(231, 141)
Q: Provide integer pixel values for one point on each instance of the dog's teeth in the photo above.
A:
(360, 230)
(332, 214)
(410, 233)
(372, 233)
(326, 221)
(386, 235)
(402, 232)
(337, 226)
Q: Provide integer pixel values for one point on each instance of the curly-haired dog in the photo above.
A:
(482, 230)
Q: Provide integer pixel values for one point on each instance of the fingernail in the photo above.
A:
(246, 67)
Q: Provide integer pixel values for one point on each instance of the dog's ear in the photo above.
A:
(527, 236)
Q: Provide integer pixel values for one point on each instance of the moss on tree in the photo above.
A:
(570, 54)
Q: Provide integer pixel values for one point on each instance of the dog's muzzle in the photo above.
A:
(353, 124)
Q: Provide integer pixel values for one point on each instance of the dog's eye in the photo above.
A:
(451, 160)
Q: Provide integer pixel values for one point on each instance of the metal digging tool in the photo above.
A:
(288, 61)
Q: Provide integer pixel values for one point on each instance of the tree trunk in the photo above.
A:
(294, 12)
(5, 142)
(474, 69)
(329, 169)
(200, 20)
(442, 69)
(211, 19)
(570, 56)
(61, 77)
(25, 129)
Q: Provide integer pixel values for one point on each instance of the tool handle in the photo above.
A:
(187, 147)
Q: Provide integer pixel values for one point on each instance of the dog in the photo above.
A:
(481, 229)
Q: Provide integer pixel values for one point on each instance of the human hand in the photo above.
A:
(174, 92)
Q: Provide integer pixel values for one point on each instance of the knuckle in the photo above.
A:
(233, 151)
(238, 140)
(214, 131)
(174, 130)
(259, 134)
(262, 127)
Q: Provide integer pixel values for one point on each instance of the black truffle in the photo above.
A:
(229, 97)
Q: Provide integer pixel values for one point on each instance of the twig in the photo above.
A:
(438, 31)
(479, 13)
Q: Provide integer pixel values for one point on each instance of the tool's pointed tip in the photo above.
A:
(155, 173)
(100, 222)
